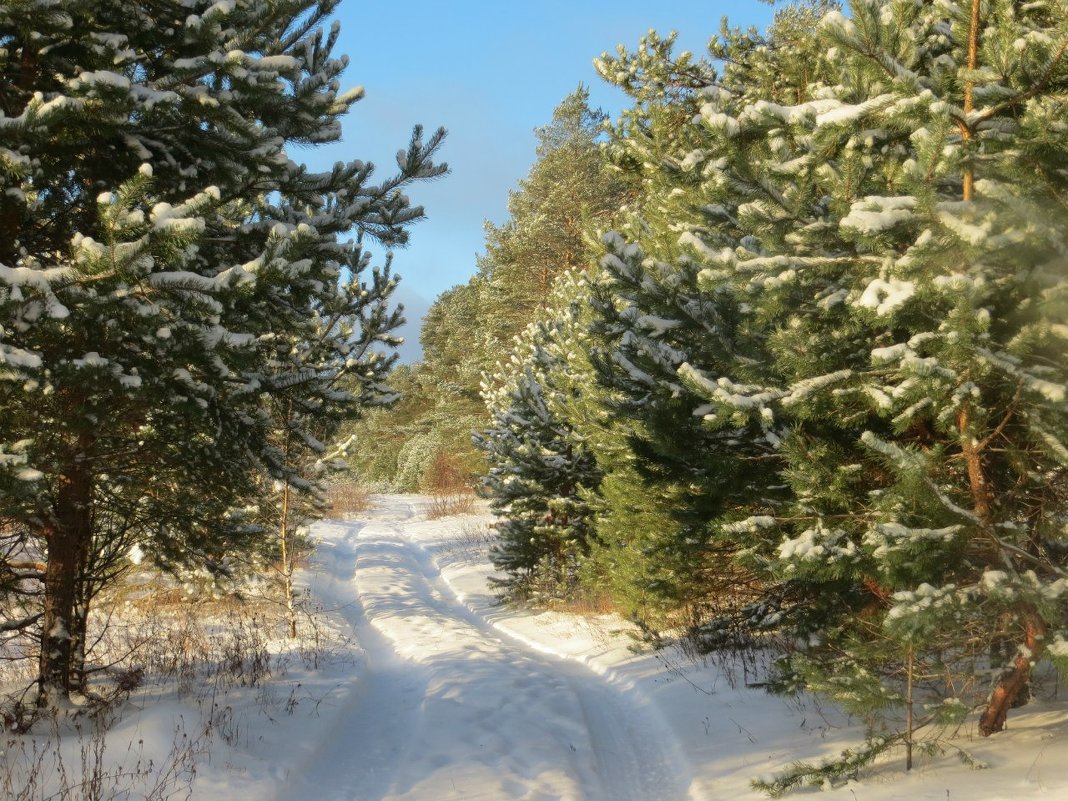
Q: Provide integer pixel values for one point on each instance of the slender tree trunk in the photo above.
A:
(1015, 679)
(910, 720)
(982, 502)
(66, 541)
(287, 566)
(78, 626)
(78, 634)
(969, 95)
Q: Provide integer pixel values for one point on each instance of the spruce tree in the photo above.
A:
(168, 275)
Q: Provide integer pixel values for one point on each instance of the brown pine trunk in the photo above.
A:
(66, 541)
(968, 189)
(1014, 679)
(78, 632)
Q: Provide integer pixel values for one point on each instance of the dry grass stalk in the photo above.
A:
(449, 488)
(348, 499)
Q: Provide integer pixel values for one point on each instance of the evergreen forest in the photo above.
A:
(776, 358)
(772, 361)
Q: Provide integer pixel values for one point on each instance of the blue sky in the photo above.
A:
(489, 72)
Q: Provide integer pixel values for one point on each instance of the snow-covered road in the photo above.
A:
(449, 707)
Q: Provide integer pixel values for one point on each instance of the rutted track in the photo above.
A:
(446, 706)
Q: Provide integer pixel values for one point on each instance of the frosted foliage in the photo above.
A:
(885, 296)
(818, 544)
(873, 215)
(845, 285)
(186, 312)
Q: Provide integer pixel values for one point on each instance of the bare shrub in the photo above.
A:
(192, 642)
(78, 765)
(348, 499)
(448, 486)
(448, 505)
(560, 591)
(146, 632)
(478, 537)
(588, 603)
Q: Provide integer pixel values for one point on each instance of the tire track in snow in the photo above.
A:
(637, 753)
(449, 706)
(379, 709)
(607, 746)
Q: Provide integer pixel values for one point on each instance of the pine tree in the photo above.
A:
(944, 385)
(672, 480)
(876, 254)
(541, 472)
(885, 246)
(167, 273)
(568, 194)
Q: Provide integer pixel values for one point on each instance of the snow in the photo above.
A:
(845, 114)
(276, 63)
(1051, 391)
(104, 77)
(718, 120)
(874, 214)
(885, 296)
(743, 397)
(818, 544)
(802, 390)
(434, 692)
(18, 357)
(890, 353)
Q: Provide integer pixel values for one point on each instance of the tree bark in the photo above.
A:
(287, 563)
(1014, 679)
(968, 188)
(910, 719)
(66, 541)
(79, 628)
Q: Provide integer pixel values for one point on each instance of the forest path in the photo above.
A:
(447, 707)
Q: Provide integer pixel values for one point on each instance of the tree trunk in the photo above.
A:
(66, 541)
(287, 563)
(910, 718)
(1013, 680)
(968, 188)
(78, 632)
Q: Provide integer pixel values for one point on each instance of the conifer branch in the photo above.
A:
(1036, 89)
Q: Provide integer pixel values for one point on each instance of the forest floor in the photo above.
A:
(421, 687)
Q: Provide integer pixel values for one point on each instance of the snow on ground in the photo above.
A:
(466, 699)
(433, 692)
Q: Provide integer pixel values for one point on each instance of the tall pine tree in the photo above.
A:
(167, 271)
